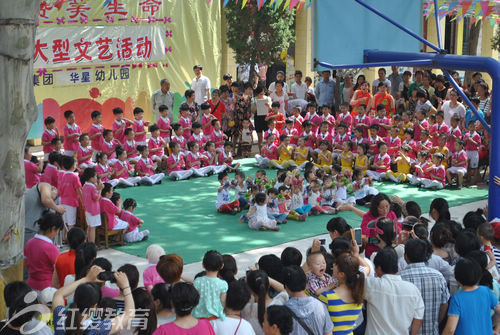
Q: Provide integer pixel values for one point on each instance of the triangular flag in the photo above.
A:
(489, 10)
(293, 3)
(472, 20)
(452, 6)
(465, 6)
(301, 5)
(287, 4)
(477, 10)
(225, 3)
(243, 3)
(261, 2)
(278, 4)
(484, 7)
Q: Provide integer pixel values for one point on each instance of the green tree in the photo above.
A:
(258, 36)
(495, 41)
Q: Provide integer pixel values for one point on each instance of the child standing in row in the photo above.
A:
(70, 191)
(48, 135)
(72, 134)
(91, 194)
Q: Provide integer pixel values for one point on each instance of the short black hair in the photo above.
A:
(94, 114)
(387, 260)
(67, 114)
(291, 256)
(153, 128)
(138, 110)
(117, 110)
(294, 278)
(222, 175)
(213, 261)
(468, 272)
(103, 263)
(418, 250)
(185, 298)
(338, 224)
(466, 242)
(162, 108)
(67, 162)
(281, 317)
(76, 236)
(238, 295)
(49, 120)
(14, 290)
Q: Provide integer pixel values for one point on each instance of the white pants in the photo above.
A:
(46, 157)
(131, 181)
(375, 175)
(69, 217)
(94, 154)
(69, 153)
(180, 175)
(93, 220)
(155, 157)
(262, 161)
(473, 156)
(457, 170)
(120, 224)
(429, 183)
(202, 172)
(135, 235)
(349, 200)
(113, 182)
(83, 166)
(154, 179)
(414, 180)
(218, 168)
(141, 143)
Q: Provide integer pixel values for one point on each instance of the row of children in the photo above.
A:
(376, 153)
(291, 196)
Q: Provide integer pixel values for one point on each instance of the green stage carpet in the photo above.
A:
(182, 218)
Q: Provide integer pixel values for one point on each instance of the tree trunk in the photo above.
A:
(475, 30)
(18, 112)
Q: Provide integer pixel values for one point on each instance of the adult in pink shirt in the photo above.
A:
(40, 253)
(380, 207)
(31, 170)
(184, 299)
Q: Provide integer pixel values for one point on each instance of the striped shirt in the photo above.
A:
(496, 253)
(342, 314)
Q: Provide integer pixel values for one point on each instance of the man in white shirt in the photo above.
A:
(200, 85)
(280, 76)
(394, 306)
(163, 96)
(299, 88)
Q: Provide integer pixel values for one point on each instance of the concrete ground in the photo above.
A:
(249, 258)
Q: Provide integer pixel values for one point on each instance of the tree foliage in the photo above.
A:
(495, 41)
(258, 36)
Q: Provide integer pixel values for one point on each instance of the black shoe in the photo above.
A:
(145, 238)
(234, 211)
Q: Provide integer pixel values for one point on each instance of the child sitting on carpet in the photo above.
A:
(226, 157)
(132, 234)
(223, 203)
(145, 168)
(175, 163)
(257, 215)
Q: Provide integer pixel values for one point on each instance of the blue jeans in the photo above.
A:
(278, 217)
(304, 209)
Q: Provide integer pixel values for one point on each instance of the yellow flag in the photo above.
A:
(243, 3)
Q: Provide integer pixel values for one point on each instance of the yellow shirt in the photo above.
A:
(360, 163)
(303, 152)
(403, 166)
(402, 130)
(286, 155)
(345, 161)
(323, 160)
(445, 152)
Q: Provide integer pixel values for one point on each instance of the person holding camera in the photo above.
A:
(80, 317)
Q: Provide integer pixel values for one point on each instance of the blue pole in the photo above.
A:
(468, 63)
(364, 65)
(438, 27)
(467, 101)
(406, 30)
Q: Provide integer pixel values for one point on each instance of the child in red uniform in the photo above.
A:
(139, 126)
(373, 140)
(194, 161)
(96, 133)
(91, 194)
(297, 119)
(130, 146)
(381, 163)
(72, 133)
(176, 164)
(163, 123)
(110, 209)
(344, 116)
(271, 125)
(104, 171)
(70, 191)
(291, 132)
(51, 171)
(269, 152)
(185, 121)
(197, 136)
(156, 147)
(119, 125)
(276, 116)
(218, 137)
(226, 157)
(206, 120)
(122, 170)
(437, 173)
(109, 145)
(48, 135)
(455, 133)
(393, 143)
(438, 128)
(132, 234)
(145, 168)
(361, 120)
(313, 117)
(329, 119)
(472, 141)
(84, 154)
(420, 124)
(31, 170)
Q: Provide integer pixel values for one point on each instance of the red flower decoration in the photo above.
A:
(95, 93)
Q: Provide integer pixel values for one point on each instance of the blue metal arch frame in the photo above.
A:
(443, 61)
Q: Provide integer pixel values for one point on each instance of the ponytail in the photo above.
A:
(354, 278)
(486, 279)
(228, 272)
(258, 281)
(87, 295)
(85, 255)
